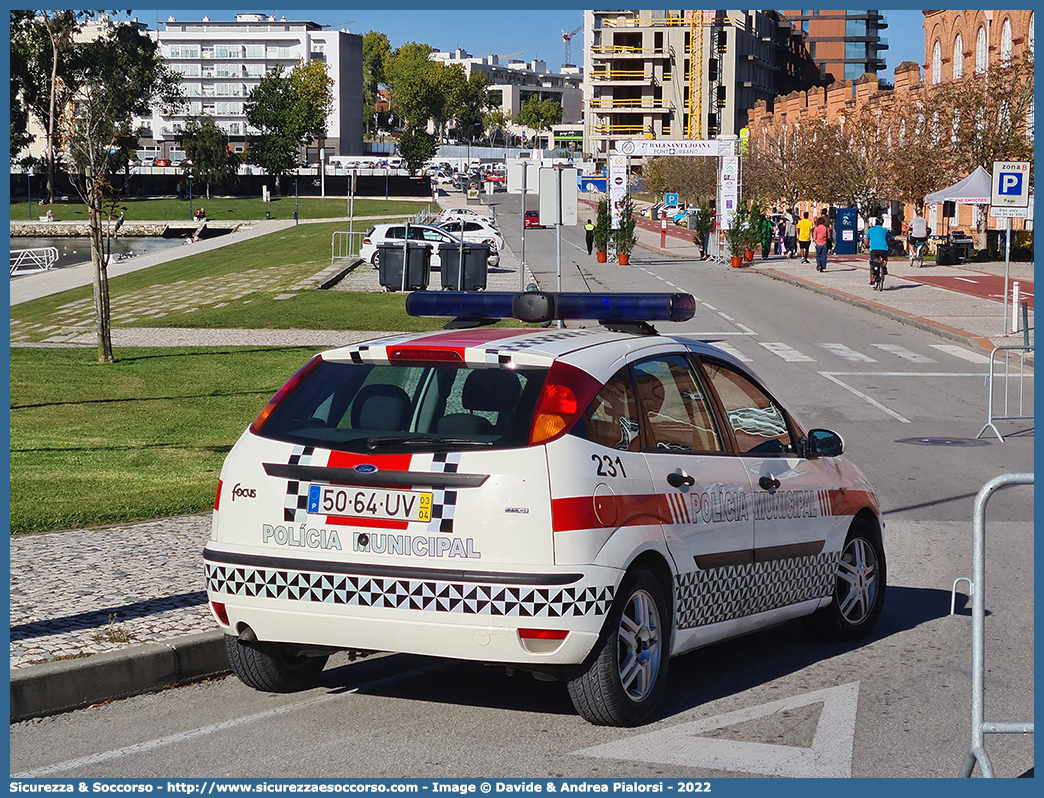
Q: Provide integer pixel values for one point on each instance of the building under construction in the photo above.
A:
(640, 68)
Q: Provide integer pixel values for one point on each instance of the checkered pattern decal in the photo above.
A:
(501, 355)
(424, 595)
(443, 500)
(295, 506)
(735, 591)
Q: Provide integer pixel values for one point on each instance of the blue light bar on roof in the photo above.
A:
(536, 306)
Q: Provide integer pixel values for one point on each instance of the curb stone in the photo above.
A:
(55, 687)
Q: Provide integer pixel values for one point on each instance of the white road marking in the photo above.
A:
(862, 395)
(961, 352)
(788, 353)
(724, 347)
(190, 734)
(829, 757)
(967, 280)
(725, 316)
(709, 307)
(746, 329)
(844, 352)
(905, 354)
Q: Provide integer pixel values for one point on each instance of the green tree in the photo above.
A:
(206, 146)
(413, 84)
(416, 147)
(376, 51)
(691, 178)
(496, 121)
(539, 115)
(43, 40)
(114, 78)
(289, 111)
(471, 104)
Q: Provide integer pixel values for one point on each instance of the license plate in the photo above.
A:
(400, 505)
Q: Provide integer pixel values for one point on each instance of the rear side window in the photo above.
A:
(675, 410)
(612, 417)
(353, 406)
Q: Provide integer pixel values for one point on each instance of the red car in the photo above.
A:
(496, 177)
(161, 162)
(532, 219)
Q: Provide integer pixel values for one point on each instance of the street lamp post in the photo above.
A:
(29, 191)
(296, 176)
(189, 175)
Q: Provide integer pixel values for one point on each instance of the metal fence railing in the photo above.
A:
(1007, 387)
(344, 245)
(980, 726)
(25, 261)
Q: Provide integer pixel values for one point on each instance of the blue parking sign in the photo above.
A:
(670, 199)
(1010, 184)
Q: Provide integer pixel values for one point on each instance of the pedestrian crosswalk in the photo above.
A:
(827, 352)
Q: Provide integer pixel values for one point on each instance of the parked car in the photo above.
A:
(532, 218)
(475, 231)
(161, 162)
(582, 504)
(466, 213)
(428, 235)
(496, 177)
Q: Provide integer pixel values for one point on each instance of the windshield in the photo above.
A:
(357, 407)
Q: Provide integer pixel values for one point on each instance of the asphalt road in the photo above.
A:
(775, 703)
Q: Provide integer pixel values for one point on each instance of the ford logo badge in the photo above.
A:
(366, 468)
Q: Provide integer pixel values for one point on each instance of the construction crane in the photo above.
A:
(695, 130)
(508, 55)
(568, 38)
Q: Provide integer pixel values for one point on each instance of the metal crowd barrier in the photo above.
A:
(1009, 375)
(980, 727)
(26, 261)
(344, 246)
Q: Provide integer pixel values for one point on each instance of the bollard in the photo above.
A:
(1015, 306)
(663, 230)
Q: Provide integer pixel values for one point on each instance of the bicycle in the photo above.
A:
(917, 252)
(878, 270)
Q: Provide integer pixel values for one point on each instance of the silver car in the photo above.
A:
(425, 234)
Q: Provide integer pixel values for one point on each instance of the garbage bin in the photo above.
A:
(391, 273)
(475, 258)
(945, 255)
(690, 220)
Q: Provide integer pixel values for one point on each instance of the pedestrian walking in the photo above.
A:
(589, 235)
(790, 236)
(821, 236)
(766, 237)
(804, 236)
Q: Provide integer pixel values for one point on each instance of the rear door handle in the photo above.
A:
(768, 483)
(676, 480)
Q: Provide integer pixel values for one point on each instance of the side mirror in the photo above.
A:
(823, 443)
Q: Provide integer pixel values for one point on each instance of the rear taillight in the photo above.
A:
(366, 241)
(217, 497)
(220, 612)
(283, 392)
(566, 394)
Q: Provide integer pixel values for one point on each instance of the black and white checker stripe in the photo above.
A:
(295, 505)
(422, 595)
(735, 591)
(443, 500)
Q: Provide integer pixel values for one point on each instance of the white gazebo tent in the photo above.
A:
(975, 189)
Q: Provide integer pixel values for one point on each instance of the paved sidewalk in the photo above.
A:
(133, 594)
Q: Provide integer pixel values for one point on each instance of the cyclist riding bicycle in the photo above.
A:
(917, 236)
(878, 239)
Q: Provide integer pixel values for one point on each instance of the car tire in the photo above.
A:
(272, 667)
(627, 670)
(375, 260)
(859, 588)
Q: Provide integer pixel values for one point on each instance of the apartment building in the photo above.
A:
(641, 67)
(513, 82)
(222, 61)
(844, 44)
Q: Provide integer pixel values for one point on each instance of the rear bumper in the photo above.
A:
(445, 613)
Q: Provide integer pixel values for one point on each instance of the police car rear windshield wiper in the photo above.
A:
(422, 440)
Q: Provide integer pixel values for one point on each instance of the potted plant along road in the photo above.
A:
(602, 231)
(736, 234)
(625, 236)
(702, 226)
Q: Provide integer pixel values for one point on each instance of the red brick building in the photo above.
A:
(957, 44)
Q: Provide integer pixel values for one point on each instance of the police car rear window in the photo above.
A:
(352, 407)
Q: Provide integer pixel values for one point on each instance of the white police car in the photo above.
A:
(580, 503)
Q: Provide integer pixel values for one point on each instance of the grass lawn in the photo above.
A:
(227, 208)
(142, 438)
(279, 261)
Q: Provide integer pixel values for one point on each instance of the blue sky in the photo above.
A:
(479, 29)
